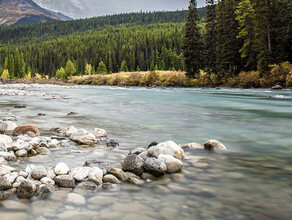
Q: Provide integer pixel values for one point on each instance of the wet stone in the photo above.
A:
(66, 181)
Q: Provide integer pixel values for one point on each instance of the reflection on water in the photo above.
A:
(251, 181)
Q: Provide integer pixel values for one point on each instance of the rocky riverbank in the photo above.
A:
(139, 167)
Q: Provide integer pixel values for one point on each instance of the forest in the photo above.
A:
(226, 40)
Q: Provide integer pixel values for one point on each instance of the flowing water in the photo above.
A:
(253, 180)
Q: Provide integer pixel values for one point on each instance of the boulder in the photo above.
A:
(134, 164)
(87, 139)
(173, 165)
(76, 199)
(26, 190)
(9, 156)
(96, 174)
(109, 178)
(39, 172)
(213, 145)
(119, 173)
(66, 181)
(61, 169)
(168, 148)
(24, 129)
(21, 153)
(70, 131)
(5, 142)
(80, 173)
(4, 183)
(45, 190)
(99, 133)
(277, 87)
(155, 166)
(7, 127)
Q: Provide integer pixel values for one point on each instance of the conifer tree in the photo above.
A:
(101, 68)
(192, 42)
(124, 66)
(210, 37)
(70, 68)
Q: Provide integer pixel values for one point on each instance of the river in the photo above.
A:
(253, 180)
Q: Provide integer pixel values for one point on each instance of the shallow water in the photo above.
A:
(253, 180)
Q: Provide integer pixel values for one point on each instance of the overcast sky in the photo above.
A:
(90, 8)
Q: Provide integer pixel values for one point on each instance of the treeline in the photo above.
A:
(38, 32)
(240, 35)
(112, 49)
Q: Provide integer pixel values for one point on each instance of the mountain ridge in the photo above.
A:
(26, 12)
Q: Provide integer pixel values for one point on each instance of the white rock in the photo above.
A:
(11, 177)
(5, 142)
(47, 181)
(39, 172)
(21, 153)
(109, 178)
(9, 156)
(24, 174)
(87, 139)
(76, 199)
(167, 148)
(7, 127)
(98, 132)
(29, 168)
(51, 174)
(71, 130)
(80, 173)
(214, 145)
(173, 165)
(61, 169)
(96, 174)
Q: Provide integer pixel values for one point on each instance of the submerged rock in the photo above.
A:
(173, 165)
(137, 151)
(45, 190)
(24, 129)
(66, 181)
(155, 166)
(192, 146)
(89, 186)
(168, 148)
(76, 199)
(134, 164)
(26, 190)
(213, 145)
(112, 143)
(99, 133)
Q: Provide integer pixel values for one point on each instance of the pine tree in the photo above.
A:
(245, 18)
(262, 24)
(210, 37)
(101, 68)
(192, 42)
(124, 66)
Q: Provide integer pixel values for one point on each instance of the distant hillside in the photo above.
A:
(26, 12)
(24, 33)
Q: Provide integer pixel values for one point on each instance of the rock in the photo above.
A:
(5, 142)
(39, 172)
(32, 153)
(24, 174)
(4, 171)
(72, 113)
(192, 146)
(148, 176)
(89, 186)
(51, 174)
(87, 139)
(7, 127)
(47, 181)
(11, 177)
(134, 164)
(109, 178)
(66, 181)
(99, 133)
(41, 114)
(144, 155)
(9, 156)
(155, 166)
(4, 183)
(96, 174)
(277, 87)
(136, 181)
(44, 191)
(26, 190)
(119, 173)
(152, 144)
(137, 151)
(110, 186)
(96, 163)
(173, 165)
(42, 151)
(4, 195)
(2, 161)
(76, 199)
(80, 173)
(61, 169)
(112, 143)
(23, 129)
(71, 130)
(168, 148)
(213, 145)
(19, 106)
(21, 153)
(29, 168)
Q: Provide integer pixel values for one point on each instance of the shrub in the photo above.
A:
(61, 73)
(278, 74)
(289, 79)
(5, 74)
(249, 79)
(38, 76)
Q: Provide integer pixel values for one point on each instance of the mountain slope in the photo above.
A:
(24, 12)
